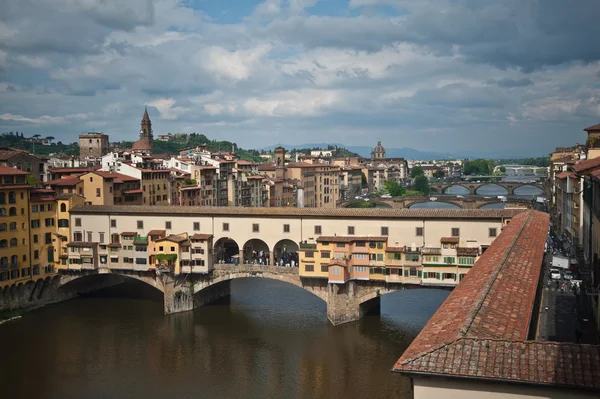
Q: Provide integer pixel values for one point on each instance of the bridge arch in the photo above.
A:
(255, 251)
(491, 184)
(446, 188)
(319, 290)
(518, 188)
(287, 250)
(224, 249)
(67, 280)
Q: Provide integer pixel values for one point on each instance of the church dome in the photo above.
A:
(379, 147)
(142, 144)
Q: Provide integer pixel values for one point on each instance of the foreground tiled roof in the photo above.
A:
(564, 175)
(157, 232)
(588, 164)
(481, 330)
(454, 240)
(489, 214)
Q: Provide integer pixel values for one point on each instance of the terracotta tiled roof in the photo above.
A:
(567, 159)
(114, 245)
(114, 175)
(481, 330)
(586, 165)
(461, 251)
(157, 232)
(349, 238)
(6, 170)
(173, 238)
(199, 236)
(134, 191)
(65, 181)
(452, 240)
(592, 128)
(564, 175)
(490, 214)
(243, 162)
(128, 233)
(267, 166)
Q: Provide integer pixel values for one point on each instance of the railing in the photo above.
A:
(307, 246)
(7, 266)
(431, 251)
(140, 240)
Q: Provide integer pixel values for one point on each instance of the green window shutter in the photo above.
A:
(420, 273)
(405, 273)
(437, 276)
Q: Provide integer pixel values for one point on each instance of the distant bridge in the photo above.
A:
(468, 202)
(510, 187)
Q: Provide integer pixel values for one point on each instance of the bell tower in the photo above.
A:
(146, 131)
(280, 162)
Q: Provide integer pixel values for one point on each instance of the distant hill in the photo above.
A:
(364, 151)
(413, 154)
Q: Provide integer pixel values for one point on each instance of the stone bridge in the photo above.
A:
(510, 187)
(345, 302)
(468, 202)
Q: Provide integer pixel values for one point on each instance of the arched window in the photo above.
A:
(12, 198)
(4, 261)
(3, 244)
(13, 242)
(63, 207)
(2, 211)
(14, 260)
(12, 211)
(13, 225)
(2, 198)
(2, 226)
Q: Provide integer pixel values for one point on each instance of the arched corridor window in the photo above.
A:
(12, 198)
(13, 225)
(2, 226)
(63, 207)
(14, 242)
(3, 244)
(12, 211)
(14, 260)
(2, 198)
(4, 261)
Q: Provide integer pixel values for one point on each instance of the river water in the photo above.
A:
(268, 340)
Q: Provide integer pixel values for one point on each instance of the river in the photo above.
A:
(268, 340)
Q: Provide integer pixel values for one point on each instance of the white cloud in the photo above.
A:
(166, 108)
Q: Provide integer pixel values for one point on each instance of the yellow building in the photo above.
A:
(171, 252)
(62, 232)
(14, 227)
(343, 258)
(42, 208)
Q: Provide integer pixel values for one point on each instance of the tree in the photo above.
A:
(395, 189)
(439, 174)
(502, 169)
(421, 184)
(50, 139)
(416, 171)
(479, 167)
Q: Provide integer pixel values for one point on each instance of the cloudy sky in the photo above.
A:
(434, 75)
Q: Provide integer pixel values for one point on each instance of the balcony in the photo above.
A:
(140, 240)
(431, 251)
(308, 246)
(9, 266)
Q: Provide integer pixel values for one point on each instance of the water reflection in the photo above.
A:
(269, 340)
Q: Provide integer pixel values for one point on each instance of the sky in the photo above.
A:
(435, 75)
